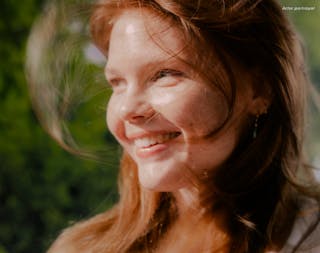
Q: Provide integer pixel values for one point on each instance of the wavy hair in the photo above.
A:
(262, 186)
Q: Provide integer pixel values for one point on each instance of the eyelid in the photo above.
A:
(166, 72)
(113, 81)
(116, 83)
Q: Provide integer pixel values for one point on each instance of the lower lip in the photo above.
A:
(151, 151)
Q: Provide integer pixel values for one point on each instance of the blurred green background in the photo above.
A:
(43, 188)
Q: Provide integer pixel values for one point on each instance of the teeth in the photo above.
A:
(153, 140)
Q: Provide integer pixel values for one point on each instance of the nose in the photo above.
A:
(136, 109)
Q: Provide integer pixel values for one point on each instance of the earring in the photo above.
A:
(255, 127)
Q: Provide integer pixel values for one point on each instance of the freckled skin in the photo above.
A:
(173, 103)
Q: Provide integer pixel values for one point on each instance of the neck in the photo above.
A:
(187, 201)
(202, 228)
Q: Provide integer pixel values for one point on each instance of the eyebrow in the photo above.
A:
(148, 66)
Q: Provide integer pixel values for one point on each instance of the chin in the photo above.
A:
(161, 182)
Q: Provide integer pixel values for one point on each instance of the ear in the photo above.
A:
(261, 96)
(259, 105)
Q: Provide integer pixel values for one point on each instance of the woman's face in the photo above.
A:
(160, 111)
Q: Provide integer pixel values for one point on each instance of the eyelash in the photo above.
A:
(113, 83)
(165, 73)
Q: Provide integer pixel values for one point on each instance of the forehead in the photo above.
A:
(141, 32)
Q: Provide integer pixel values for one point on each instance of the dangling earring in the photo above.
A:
(255, 127)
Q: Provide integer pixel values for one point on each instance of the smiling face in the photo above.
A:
(160, 111)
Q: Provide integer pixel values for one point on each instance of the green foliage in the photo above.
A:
(307, 24)
(43, 188)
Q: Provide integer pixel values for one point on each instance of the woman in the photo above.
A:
(208, 105)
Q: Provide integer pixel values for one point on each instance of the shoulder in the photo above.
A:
(306, 221)
(85, 236)
(74, 240)
(64, 243)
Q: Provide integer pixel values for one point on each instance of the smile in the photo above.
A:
(149, 141)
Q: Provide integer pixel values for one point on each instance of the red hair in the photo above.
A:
(259, 187)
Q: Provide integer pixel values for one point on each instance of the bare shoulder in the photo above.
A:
(84, 236)
(64, 243)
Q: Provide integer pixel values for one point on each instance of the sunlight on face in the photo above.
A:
(160, 112)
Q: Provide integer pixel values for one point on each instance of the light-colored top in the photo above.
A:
(312, 243)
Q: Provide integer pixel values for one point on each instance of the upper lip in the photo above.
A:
(140, 135)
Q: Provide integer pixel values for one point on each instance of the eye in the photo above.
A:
(166, 73)
(116, 83)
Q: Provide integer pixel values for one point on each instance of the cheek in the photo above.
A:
(205, 113)
(194, 110)
(111, 116)
(113, 121)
